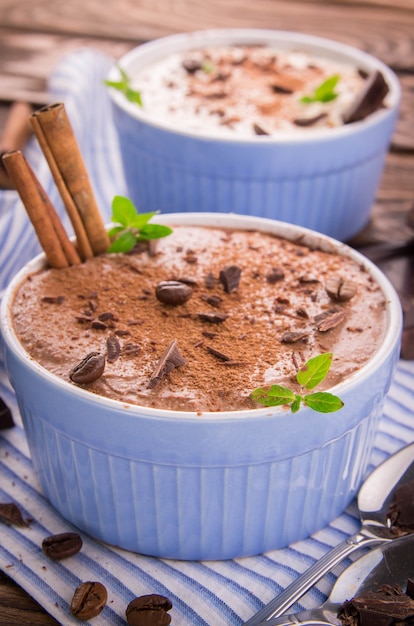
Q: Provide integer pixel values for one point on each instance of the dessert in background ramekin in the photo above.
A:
(323, 178)
(201, 485)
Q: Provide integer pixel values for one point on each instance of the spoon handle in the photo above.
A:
(292, 593)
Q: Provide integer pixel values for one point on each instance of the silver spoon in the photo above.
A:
(374, 498)
(390, 564)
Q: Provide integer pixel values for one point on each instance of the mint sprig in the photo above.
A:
(131, 227)
(124, 85)
(324, 92)
(309, 376)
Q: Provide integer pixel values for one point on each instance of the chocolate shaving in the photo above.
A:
(97, 325)
(370, 100)
(113, 349)
(209, 281)
(53, 299)
(280, 89)
(213, 318)
(104, 317)
(11, 515)
(218, 354)
(330, 319)
(6, 417)
(214, 301)
(259, 130)
(130, 349)
(230, 278)
(294, 336)
(169, 360)
(275, 275)
(309, 121)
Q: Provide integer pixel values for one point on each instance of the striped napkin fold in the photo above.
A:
(209, 593)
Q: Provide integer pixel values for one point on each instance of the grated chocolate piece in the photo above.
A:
(169, 360)
(371, 99)
(230, 278)
(330, 319)
(11, 515)
(6, 417)
(113, 349)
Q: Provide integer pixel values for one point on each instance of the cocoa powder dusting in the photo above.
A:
(225, 355)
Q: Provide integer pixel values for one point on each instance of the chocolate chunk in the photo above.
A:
(173, 292)
(218, 354)
(62, 545)
(294, 337)
(309, 121)
(330, 319)
(213, 318)
(169, 360)
(230, 278)
(387, 606)
(88, 600)
(149, 610)
(113, 349)
(401, 510)
(89, 369)
(370, 99)
(11, 515)
(6, 417)
(340, 289)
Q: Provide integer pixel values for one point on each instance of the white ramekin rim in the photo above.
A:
(157, 49)
(289, 231)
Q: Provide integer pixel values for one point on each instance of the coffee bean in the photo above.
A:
(173, 292)
(150, 610)
(89, 369)
(340, 289)
(61, 546)
(88, 600)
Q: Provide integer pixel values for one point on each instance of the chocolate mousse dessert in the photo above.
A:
(199, 320)
(256, 90)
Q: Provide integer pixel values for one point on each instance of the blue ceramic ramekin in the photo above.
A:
(214, 486)
(323, 179)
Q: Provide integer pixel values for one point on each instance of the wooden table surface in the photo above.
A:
(35, 35)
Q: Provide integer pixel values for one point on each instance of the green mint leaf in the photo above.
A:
(123, 211)
(275, 396)
(124, 86)
(124, 243)
(141, 220)
(295, 406)
(325, 92)
(323, 402)
(207, 66)
(131, 226)
(154, 231)
(315, 370)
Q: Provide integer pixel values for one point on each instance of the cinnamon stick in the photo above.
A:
(82, 241)
(14, 135)
(58, 249)
(54, 132)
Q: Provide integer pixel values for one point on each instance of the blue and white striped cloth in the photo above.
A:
(214, 593)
